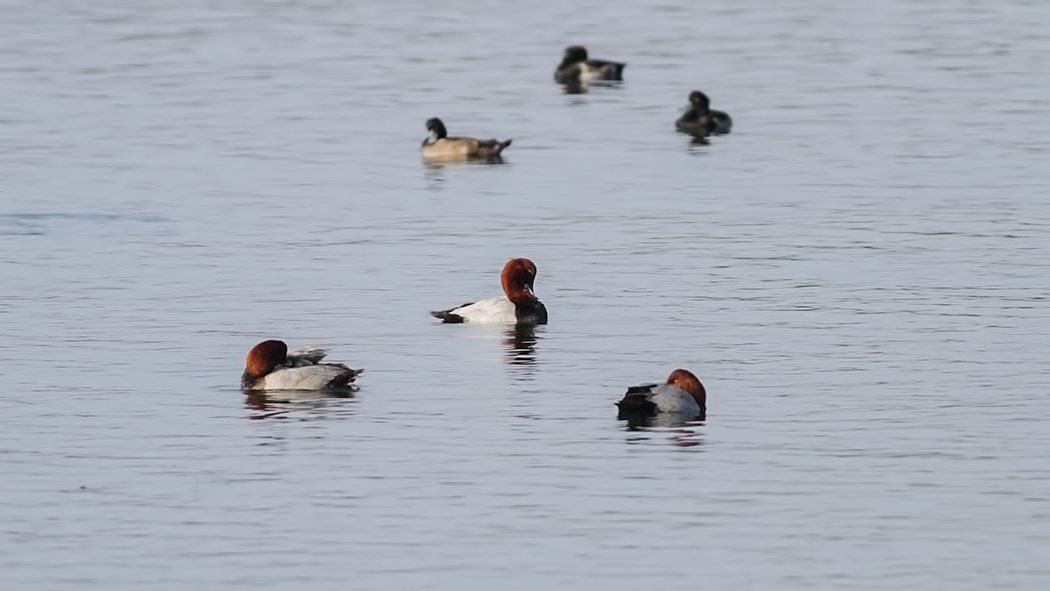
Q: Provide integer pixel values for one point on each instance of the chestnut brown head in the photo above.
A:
(685, 380)
(266, 356)
(518, 278)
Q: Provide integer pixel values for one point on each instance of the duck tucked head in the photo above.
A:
(518, 278)
(266, 356)
(685, 380)
(435, 126)
(574, 54)
(699, 101)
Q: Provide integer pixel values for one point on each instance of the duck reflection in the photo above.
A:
(698, 140)
(520, 341)
(434, 164)
(682, 432)
(577, 87)
(299, 404)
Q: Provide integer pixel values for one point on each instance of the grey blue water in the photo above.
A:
(858, 273)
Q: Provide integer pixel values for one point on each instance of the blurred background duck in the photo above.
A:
(575, 68)
(700, 119)
(441, 147)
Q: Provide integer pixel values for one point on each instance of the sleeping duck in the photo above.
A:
(442, 147)
(575, 68)
(700, 119)
(682, 394)
(271, 366)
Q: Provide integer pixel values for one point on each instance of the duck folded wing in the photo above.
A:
(325, 376)
(607, 70)
(307, 356)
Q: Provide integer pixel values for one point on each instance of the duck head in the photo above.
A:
(435, 126)
(685, 380)
(699, 101)
(518, 278)
(574, 54)
(265, 357)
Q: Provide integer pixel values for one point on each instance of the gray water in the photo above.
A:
(858, 274)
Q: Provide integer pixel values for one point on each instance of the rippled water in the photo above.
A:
(858, 273)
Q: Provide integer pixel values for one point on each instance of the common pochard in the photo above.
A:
(518, 306)
(682, 394)
(271, 367)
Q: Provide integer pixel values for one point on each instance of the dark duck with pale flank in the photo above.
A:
(700, 119)
(576, 68)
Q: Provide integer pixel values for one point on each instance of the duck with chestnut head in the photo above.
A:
(681, 394)
(519, 305)
(271, 366)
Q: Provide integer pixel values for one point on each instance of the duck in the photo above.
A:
(682, 394)
(700, 119)
(518, 306)
(271, 366)
(440, 146)
(576, 68)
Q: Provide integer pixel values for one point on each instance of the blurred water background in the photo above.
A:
(858, 273)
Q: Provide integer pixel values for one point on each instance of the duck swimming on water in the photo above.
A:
(518, 306)
(271, 366)
(700, 119)
(441, 146)
(576, 68)
(682, 394)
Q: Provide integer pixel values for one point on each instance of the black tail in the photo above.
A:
(345, 380)
(447, 316)
(636, 402)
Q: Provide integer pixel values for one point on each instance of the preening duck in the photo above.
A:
(682, 394)
(442, 147)
(576, 68)
(700, 119)
(271, 366)
(518, 306)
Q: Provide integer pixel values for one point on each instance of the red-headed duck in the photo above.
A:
(271, 367)
(519, 306)
(682, 394)
(442, 147)
(575, 68)
(700, 119)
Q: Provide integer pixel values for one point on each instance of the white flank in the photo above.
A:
(310, 377)
(670, 398)
(494, 310)
(589, 74)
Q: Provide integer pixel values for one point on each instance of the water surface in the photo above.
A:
(858, 274)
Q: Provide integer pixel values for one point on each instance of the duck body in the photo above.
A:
(495, 310)
(519, 305)
(700, 119)
(682, 394)
(271, 366)
(443, 147)
(575, 67)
